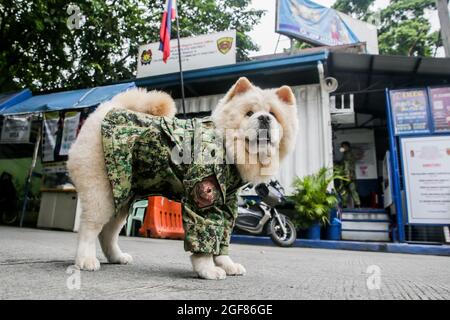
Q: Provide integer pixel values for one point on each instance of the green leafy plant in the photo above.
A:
(313, 199)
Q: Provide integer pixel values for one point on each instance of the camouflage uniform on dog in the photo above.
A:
(144, 155)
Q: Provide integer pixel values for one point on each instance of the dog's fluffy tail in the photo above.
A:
(155, 103)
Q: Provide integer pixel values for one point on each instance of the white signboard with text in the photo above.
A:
(200, 52)
(426, 162)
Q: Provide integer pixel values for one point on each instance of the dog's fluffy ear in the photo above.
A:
(241, 86)
(286, 95)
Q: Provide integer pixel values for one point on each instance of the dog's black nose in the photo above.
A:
(265, 119)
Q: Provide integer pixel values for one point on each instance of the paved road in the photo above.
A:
(33, 265)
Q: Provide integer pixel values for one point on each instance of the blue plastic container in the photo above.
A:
(334, 229)
(313, 232)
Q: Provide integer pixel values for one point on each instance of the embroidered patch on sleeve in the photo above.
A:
(206, 192)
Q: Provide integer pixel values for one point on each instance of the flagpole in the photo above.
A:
(181, 66)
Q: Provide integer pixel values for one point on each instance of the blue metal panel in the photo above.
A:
(395, 172)
(6, 101)
(308, 61)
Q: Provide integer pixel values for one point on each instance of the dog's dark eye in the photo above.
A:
(273, 114)
(249, 114)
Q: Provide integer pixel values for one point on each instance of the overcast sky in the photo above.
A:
(264, 33)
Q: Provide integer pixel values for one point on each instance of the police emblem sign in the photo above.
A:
(205, 51)
(224, 44)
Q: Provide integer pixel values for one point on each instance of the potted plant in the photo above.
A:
(313, 201)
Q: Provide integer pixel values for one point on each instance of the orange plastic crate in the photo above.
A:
(163, 219)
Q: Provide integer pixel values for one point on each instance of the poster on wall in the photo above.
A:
(16, 129)
(363, 148)
(426, 163)
(50, 131)
(440, 108)
(70, 130)
(410, 111)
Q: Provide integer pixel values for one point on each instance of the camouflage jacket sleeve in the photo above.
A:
(209, 208)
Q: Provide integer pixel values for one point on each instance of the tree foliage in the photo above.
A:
(403, 28)
(39, 51)
(358, 9)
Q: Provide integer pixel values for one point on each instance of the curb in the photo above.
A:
(437, 250)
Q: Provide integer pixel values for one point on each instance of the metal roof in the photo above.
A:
(265, 73)
(390, 64)
(73, 99)
(367, 76)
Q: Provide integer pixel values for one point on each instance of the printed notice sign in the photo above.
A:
(440, 105)
(426, 162)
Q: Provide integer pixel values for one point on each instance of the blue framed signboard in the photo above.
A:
(419, 133)
(410, 111)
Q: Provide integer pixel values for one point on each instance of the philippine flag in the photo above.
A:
(166, 24)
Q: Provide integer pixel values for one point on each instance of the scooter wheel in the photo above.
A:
(276, 233)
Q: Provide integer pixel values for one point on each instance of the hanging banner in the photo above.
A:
(70, 130)
(426, 163)
(410, 111)
(205, 51)
(313, 23)
(16, 129)
(440, 108)
(51, 128)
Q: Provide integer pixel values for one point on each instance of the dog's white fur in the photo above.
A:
(87, 169)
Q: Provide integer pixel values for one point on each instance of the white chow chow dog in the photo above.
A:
(244, 108)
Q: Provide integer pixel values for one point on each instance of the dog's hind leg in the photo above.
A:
(97, 209)
(109, 238)
(86, 258)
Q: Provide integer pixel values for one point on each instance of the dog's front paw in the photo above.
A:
(125, 258)
(212, 273)
(88, 263)
(235, 269)
(205, 268)
(231, 268)
(122, 258)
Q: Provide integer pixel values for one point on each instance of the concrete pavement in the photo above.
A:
(34, 265)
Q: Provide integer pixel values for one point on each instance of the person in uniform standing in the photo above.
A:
(348, 164)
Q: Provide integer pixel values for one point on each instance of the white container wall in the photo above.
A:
(313, 149)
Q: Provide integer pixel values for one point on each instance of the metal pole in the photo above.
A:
(395, 172)
(30, 175)
(444, 17)
(181, 67)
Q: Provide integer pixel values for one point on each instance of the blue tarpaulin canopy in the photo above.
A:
(9, 99)
(73, 99)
